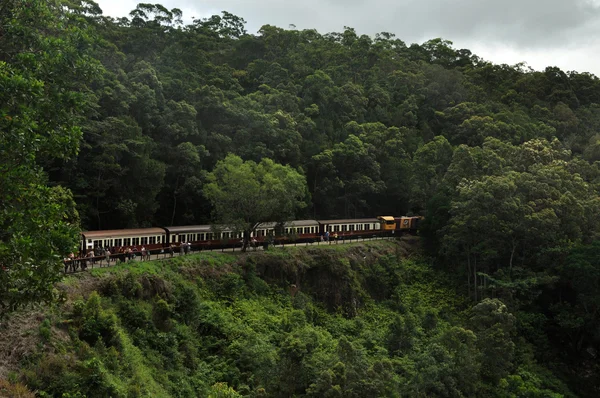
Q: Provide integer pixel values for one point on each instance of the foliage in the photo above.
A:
(244, 194)
(44, 63)
(194, 332)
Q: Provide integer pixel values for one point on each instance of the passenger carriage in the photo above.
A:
(351, 228)
(150, 238)
(291, 231)
(203, 236)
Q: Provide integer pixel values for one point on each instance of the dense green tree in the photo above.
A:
(494, 327)
(44, 63)
(346, 176)
(429, 164)
(245, 194)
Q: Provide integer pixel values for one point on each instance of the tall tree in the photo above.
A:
(42, 69)
(245, 194)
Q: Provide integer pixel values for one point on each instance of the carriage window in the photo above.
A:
(118, 242)
(336, 228)
(145, 241)
(97, 243)
(209, 236)
(351, 227)
(181, 238)
(159, 239)
(153, 240)
(136, 241)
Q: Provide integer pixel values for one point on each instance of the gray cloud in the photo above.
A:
(524, 23)
(528, 26)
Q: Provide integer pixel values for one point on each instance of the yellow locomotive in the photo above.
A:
(402, 224)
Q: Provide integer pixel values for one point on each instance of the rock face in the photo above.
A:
(339, 278)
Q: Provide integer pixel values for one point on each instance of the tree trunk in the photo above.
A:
(512, 255)
(475, 276)
(174, 201)
(485, 281)
(469, 271)
(98, 200)
(246, 240)
(315, 190)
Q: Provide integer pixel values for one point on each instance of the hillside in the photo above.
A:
(146, 121)
(361, 320)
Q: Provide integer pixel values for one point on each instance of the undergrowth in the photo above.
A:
(346, 320)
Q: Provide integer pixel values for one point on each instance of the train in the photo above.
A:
(215, 236)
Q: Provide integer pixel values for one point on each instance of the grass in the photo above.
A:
(220, 261)
(161, 266)
(340, 247)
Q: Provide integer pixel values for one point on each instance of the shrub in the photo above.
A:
(16, 390)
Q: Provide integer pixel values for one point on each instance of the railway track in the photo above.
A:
(86, 264)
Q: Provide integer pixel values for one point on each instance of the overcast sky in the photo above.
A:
(563, 33)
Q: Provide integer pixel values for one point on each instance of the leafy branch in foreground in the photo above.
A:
(42, 69)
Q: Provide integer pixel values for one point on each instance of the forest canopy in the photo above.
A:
(371, 122)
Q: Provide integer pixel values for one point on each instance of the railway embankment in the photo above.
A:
(117, 326)
(366, 319)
